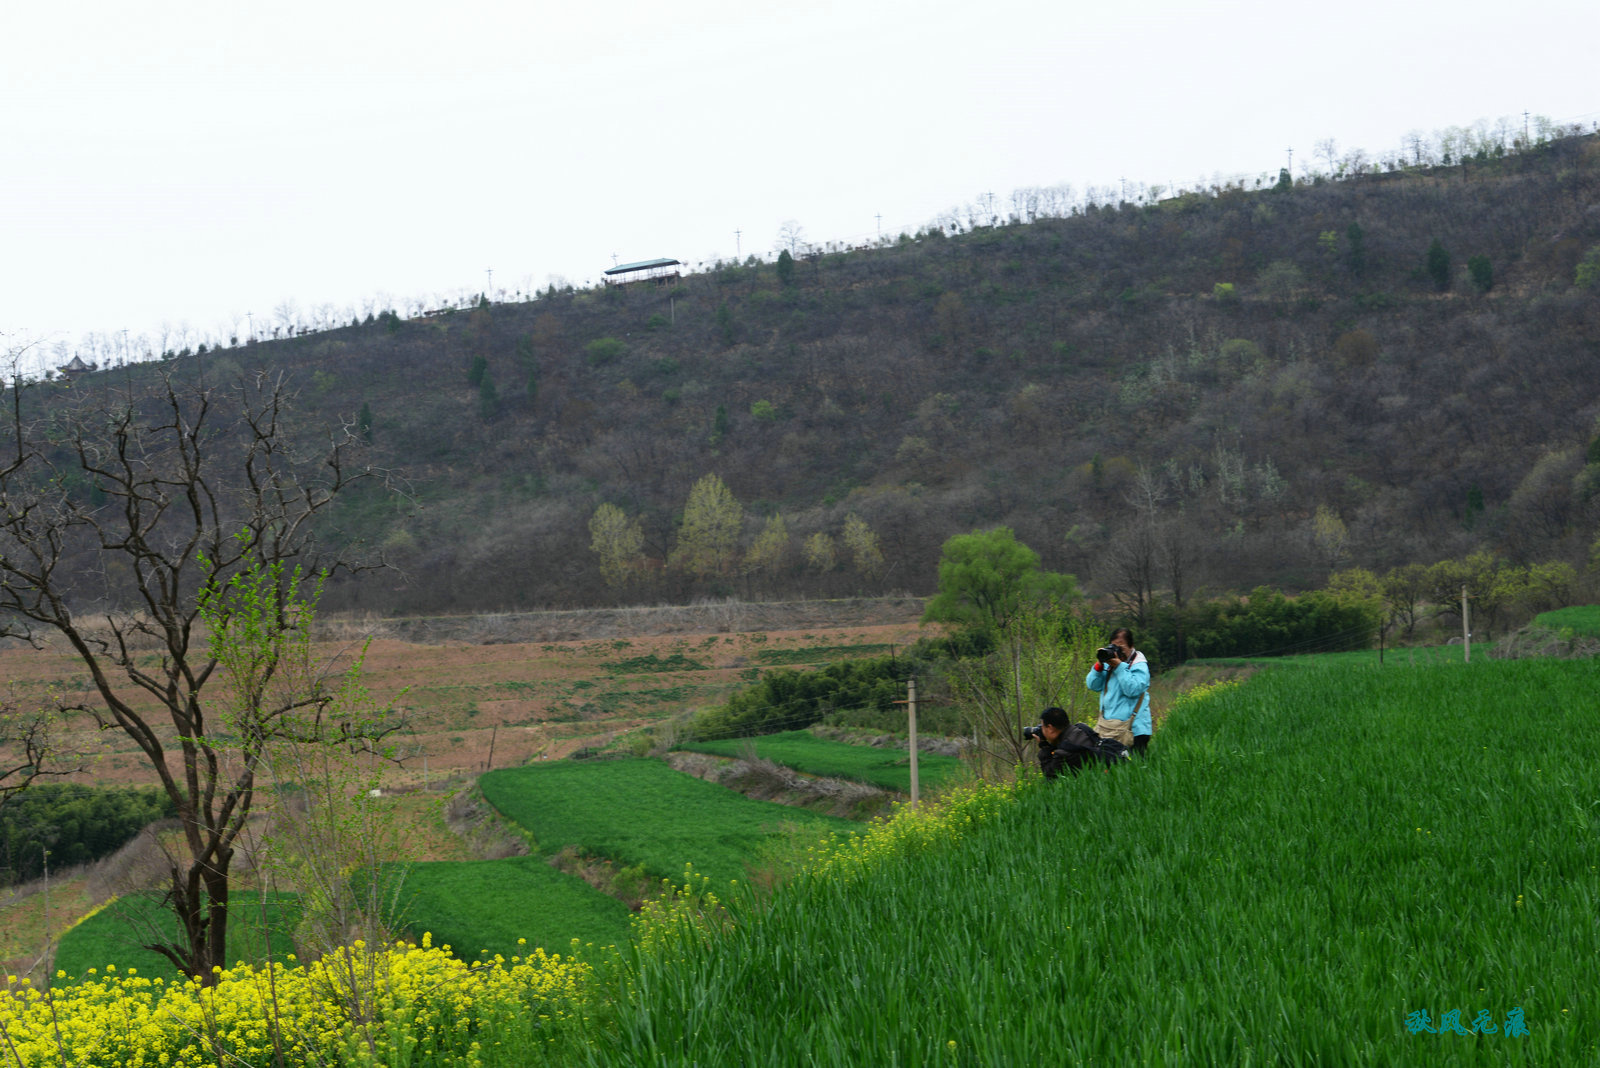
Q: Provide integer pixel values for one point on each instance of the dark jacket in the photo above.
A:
(1067, 752)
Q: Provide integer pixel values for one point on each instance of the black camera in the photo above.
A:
(1108, 654)
(1033, 733)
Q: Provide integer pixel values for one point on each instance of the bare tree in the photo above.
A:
(791, 236)
(29, 746)
(121, 516)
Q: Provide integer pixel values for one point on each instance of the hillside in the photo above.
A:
(1215, 390)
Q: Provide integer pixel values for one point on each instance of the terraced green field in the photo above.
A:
(483, 907)
(888, 769)
(641, 812)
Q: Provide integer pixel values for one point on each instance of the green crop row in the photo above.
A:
(1580, 619)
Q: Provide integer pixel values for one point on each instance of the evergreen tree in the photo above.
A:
(1482, 272)
(488, 398)
(1356, 253)
(1439, 266)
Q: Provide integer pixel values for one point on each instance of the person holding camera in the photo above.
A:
(1054, 751)
(1121, 676)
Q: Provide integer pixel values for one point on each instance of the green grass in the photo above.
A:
(1580, 619)
(643, 812)
(889, 769)
(1419, 656)
(1305, 860)
(482, 907)
(113, 935)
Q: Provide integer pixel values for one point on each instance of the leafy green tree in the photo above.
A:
(862, 543)
(766, 554)
(1405, 588)
(1329, 536)
(725, 328)
(708, 537)
(987, 579)
(1438, 264)
(1491, 583)
(618, 541)
(1481, 272)
(719, 424)
(1587, 274)
(476, 370)
(364, 423)
(604, 350)
(820, 552)
(785, 268)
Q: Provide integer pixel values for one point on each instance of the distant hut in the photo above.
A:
(659, 271)
(75, 368)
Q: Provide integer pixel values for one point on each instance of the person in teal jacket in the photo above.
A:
(1123, 684)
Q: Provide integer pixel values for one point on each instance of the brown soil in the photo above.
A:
(487, 703)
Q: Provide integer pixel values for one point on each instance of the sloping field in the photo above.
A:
(641, 812)
(483, 907)
(1321, 866)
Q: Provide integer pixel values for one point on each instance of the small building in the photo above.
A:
(75, 368)
(658, 271)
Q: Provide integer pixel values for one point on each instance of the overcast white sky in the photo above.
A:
(191, 163)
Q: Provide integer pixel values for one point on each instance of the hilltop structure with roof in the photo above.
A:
(76, 367)
(659, 271)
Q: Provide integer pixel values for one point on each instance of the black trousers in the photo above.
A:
(1141, 744)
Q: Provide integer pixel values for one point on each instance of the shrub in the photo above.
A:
(604, 350)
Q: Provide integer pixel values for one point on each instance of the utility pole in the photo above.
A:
(737, 250)
(488, 292)
(250, 317)
(879, 217)
(1466, 630)
(911, 715)
(1290, 168)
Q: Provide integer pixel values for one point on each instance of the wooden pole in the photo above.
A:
(1466, 630)
(911, 711)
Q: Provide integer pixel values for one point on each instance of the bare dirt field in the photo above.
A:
(492, 691)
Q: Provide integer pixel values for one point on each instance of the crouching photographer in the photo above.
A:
(1055, 751)
(1121, 676)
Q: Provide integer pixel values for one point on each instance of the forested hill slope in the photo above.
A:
(1219, 389)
